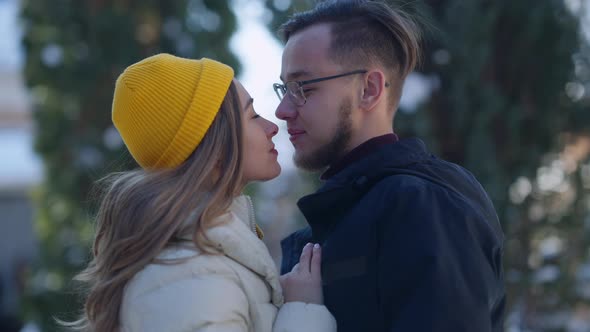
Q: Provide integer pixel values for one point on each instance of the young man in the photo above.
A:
(410, 242)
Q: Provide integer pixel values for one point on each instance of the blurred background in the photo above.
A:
(504, 90)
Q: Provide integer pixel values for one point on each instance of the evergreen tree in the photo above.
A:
(74, 52)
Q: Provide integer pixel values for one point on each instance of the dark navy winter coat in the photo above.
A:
(410, 243)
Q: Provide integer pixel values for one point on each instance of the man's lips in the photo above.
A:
(294, 134)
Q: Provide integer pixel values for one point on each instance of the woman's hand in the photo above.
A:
(304, 282)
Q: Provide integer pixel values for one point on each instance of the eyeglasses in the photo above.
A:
(295, 88)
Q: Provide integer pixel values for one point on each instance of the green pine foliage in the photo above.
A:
(502, 111)
(74, 52)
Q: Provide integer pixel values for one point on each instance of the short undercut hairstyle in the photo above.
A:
(365, 32)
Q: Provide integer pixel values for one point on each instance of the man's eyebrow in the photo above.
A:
(248, 103)
(295, 75)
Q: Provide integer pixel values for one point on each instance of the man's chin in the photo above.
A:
(308, 163)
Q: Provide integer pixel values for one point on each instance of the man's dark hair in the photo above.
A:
(362, 31)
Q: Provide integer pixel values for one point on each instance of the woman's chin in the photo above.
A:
(273, 174)
(270, 174)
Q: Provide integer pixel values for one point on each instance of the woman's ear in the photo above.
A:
(374, 84)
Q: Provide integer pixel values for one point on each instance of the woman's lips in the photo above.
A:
(273, 150)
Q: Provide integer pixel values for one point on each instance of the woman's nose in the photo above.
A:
(272, 129)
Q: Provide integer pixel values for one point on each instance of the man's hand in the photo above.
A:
(304, 282)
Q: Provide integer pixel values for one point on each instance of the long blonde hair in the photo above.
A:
(142, 212)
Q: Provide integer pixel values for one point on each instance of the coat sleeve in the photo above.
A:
(433, 274)
(208, 303)
(304, 317)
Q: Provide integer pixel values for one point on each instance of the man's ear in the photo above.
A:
(374, 85)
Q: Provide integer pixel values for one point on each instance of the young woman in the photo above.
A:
(176, 246)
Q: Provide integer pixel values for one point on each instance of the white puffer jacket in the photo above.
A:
(237, 291)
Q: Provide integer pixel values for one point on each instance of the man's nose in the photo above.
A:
(286, 110)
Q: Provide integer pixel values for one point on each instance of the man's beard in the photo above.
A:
(328, 153)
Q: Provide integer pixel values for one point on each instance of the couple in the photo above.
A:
(398, 240)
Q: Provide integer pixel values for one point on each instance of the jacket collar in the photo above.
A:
(402, 153)
(236, 239)
(324, 208)
(359, 153)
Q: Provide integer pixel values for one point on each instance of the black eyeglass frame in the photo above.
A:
(281, 89)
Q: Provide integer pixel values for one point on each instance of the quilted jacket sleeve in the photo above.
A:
(304, 317)
(221, 303)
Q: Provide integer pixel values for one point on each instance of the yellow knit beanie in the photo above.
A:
(164, 105)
